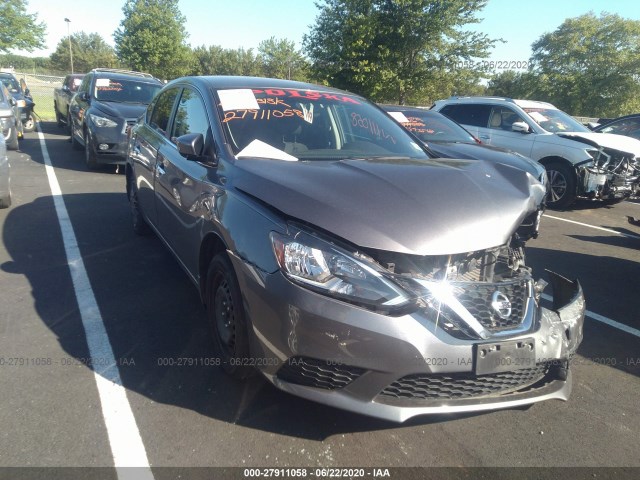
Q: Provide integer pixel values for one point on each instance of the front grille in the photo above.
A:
(311, 372)
(477, 299)
(424, 386)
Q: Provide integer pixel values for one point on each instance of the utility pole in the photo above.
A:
(69, 35)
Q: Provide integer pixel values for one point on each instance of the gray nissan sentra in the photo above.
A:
(341, 260)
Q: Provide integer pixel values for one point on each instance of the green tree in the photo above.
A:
(591, 65)
(19, 30)
(215, 60)
(89, 51)
(280, 59)
(395, 49)
(152, 38)
(512, 84)
(25, 64)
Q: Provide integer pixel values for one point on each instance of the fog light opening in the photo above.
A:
(103, 146)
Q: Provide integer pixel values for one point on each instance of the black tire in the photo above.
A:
(29, 125)
(140, 226)
(562, 185)
(89, 154)
(12, 143)
(227, 320)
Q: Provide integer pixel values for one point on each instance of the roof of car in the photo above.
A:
(223, 82)
(123, 74)
(520, 102)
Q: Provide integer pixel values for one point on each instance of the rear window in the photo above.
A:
(433, 127)
(469, 114)
(293, 124)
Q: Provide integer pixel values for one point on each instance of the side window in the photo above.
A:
(162, 110)
(191, 116)
(629, 127)
(470, 114)
(502, 118)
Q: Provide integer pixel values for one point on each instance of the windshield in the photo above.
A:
(553, 120)
(126, 91)
(11, 83)
(432, 127)
(292, 124)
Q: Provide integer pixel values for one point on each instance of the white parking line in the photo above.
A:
(602, 319)
(627, 235)
(124, 437)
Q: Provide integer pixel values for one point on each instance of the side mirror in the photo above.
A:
(65, 88)
(27, 92)
(84, 96)
(12, 101)
(192, 147)
(521, 127)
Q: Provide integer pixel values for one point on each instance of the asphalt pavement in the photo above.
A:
(192, 415)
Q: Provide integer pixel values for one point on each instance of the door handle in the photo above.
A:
(160, 169)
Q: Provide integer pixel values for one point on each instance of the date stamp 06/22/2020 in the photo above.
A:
(258, 362)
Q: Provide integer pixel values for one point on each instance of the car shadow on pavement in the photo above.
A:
(610, 290)
(613, 241)
(154, 319)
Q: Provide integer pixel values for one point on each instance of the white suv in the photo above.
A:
(578, 162)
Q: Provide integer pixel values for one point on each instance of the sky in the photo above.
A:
(245, 23)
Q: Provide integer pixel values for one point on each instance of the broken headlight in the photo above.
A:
(332, 271)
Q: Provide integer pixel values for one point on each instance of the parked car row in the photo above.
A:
(12, 128)
(342, 259)
(19, 91)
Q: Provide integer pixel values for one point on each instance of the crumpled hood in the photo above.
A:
(421, 207)
(607, 140)
(122, 110)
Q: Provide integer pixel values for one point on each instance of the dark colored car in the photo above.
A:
(22, 95)
(334, 255)
(107, 104)
(10, 122)
(62, 97)
(629, 125)
(448, 139)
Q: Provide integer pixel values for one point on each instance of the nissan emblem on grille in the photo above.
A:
(501, 304)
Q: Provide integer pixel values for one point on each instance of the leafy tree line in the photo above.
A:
(396, 51)
(589, 66)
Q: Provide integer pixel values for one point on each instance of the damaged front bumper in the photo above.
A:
(610, 176)
(395, 368)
